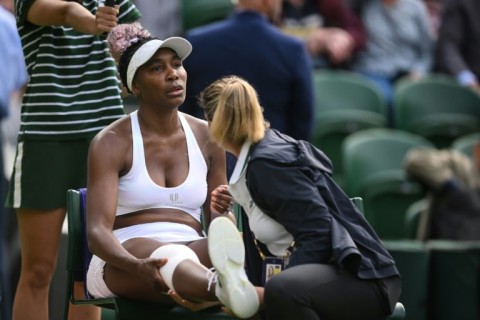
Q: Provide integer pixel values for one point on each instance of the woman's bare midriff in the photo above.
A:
(157, 215)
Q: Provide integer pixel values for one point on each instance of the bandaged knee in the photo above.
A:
(175, 253)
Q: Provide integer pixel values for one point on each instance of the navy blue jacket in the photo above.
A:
(275, 64)
(291, 181)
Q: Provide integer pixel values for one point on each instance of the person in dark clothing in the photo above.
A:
(334, 265)
(452, 181)
(248, 45)
(458, 44)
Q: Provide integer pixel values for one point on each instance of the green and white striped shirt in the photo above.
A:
(73, 91)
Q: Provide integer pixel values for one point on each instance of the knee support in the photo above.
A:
(175, 253)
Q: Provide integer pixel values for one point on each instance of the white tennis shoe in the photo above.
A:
(227, 253)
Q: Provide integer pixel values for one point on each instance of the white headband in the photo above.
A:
(180, 45)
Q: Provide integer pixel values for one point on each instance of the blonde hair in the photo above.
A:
(231, 105)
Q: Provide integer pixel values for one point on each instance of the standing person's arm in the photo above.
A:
(73, 14)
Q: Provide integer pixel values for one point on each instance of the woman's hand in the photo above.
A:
(221, 201)
(149, 269)
(194, 306)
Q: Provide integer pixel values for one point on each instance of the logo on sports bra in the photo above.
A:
(174, 197)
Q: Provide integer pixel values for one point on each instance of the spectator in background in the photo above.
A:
(399, 43)
(12, 80)
(72, 94)
(434, 9)
(248, 45)
(458, 45)
(162, 18)
(331, 31)
(452, 181)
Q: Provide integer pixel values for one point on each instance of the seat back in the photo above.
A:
(196, 13)
(373, 170)
(437, 108)
(415, 227)
(412, 259)
(454, 285)
(343, 90)
(344, 103)
(376, 153)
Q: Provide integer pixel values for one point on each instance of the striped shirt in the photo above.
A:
(73, 91)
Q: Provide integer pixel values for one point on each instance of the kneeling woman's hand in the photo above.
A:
(221, 201)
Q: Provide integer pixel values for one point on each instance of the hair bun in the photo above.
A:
(124, 35)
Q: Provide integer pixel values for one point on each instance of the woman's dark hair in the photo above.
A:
(127, 56)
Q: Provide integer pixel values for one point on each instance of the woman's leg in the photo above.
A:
(187, 272)
(39, 233)
(320, 292)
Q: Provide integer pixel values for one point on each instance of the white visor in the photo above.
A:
(180, 45)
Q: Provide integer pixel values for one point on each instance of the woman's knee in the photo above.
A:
(39, 274)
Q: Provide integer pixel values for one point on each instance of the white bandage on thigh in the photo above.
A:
(175, 253)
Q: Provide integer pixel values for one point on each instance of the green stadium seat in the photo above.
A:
(344, 103)
(373, 171)
(437, 108)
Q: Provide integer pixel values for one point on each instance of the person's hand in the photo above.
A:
(149, 269)
(339, 45)
(221, 201)
(194, 306)
(316, 41)
(415, 75)
(475, 87)
(106, 19)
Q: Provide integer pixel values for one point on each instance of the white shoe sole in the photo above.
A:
(227, 253)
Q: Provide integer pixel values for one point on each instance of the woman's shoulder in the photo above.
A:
(116, 134)
(198, 126)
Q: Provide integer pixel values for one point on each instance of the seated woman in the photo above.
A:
(149, 176)
(334, 265)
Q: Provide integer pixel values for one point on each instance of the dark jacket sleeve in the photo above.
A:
(452, 39)
(288, 195)
(338, 14)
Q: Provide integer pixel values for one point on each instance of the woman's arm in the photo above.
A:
(73, 14)
(106, 159)
(215, 159)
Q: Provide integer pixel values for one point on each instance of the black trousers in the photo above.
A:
(320, 292)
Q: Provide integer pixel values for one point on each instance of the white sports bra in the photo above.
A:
(137, 191)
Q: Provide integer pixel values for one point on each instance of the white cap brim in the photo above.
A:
(181, 46)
